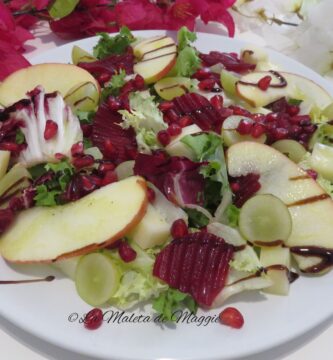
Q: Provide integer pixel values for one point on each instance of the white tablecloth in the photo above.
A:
(16, 344)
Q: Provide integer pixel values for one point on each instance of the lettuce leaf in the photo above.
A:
(146, 120)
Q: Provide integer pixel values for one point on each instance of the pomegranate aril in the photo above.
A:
(312, 173)
(166, 105)
(174, 129)
(109, 178)
(109, 149)
(280, 133)
(77, 149)
(239, 111)
(217, 102)
(271, 117)
(163, 137)
(151, 195)
(179, 229)
(234, 187)
(310, 129)
(87, 184)
(126, 252)
(104, 167)
(103, 78)
(202, 74)
(230, 316)
(51, 129)
(171, 116)
(244, 127)
(9, 146)
(139, 82)
(84, 161)
(263, 84)
(185, 121)
(206, 85)
(94, 319)
(257, 130)
(113, 103)
(293, 110)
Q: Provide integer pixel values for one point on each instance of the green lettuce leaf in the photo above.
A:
(171, 300)
(232, 213)
(113, 45)
(114, 85)
(145, 118)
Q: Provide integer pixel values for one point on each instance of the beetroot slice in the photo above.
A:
(106, 128)
(197, 264)
(229, 61)
(200, 110)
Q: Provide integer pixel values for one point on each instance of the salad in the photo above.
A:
(149, 171)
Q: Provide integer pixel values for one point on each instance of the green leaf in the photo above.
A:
(188, 62)
(61, 8)
(85, 117)
(232, 212)
(37, 171)
(19, 138)
(295, 102)
(87, 143)
(203, 144)
(114, 85)
(168, 302)
(185, 37)
(45, 197)
(196, 218)
(60, 167)
(112, 45)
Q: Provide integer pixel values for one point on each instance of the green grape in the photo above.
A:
(83, 97)
(291, 148)
(265, 219)
(96, 279)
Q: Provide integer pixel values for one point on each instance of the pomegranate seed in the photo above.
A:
(244, 127)
(230, 316)
(59, 156)
(104, 167)
(163, 137)
(235, 187)
(93, 320)
(179, 229)
(295, 130)
(185, 121)
(310, 129)
(103, 78)
(110, 150)
(151, 195)
(166, 105)
(10, 146)
(312, 173)
(84, 161)
(280, 133)
(87, 184)
(263, 84)
(217, 102)
(113, 103)
(109, 178)
(174, 129)
(126, 252)
(127, 88)
(51, 129)
(257, 130)
(271, 117)
(202, 74)
(303, 120)
(77, 149)
(161, 155)
(304, 138)
(293, 110)
(139, 82)
(207, 84)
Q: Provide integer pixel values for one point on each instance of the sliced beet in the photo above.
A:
(197, 264)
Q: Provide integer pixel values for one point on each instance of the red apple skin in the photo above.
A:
(88, 249)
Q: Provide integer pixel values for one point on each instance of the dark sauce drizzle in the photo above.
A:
(282, 81)
(12, 282)
(325, 255)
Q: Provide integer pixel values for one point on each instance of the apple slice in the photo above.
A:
(322, 160)
(97, 220)
(156, 57)
(4, 161)
(171, 87)
(83, 97)
(311, 208)
(297, 87)
(53, 77)
(276, 260)
(80, 55)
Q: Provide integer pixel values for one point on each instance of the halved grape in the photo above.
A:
(125, 169)
(80, 55)
(265, 219)
(83, 97)
(229, 134)
(228, 81)
(96, 278)
(171, 87)
(291, 148)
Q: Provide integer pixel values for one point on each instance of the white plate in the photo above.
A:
(43, 309)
